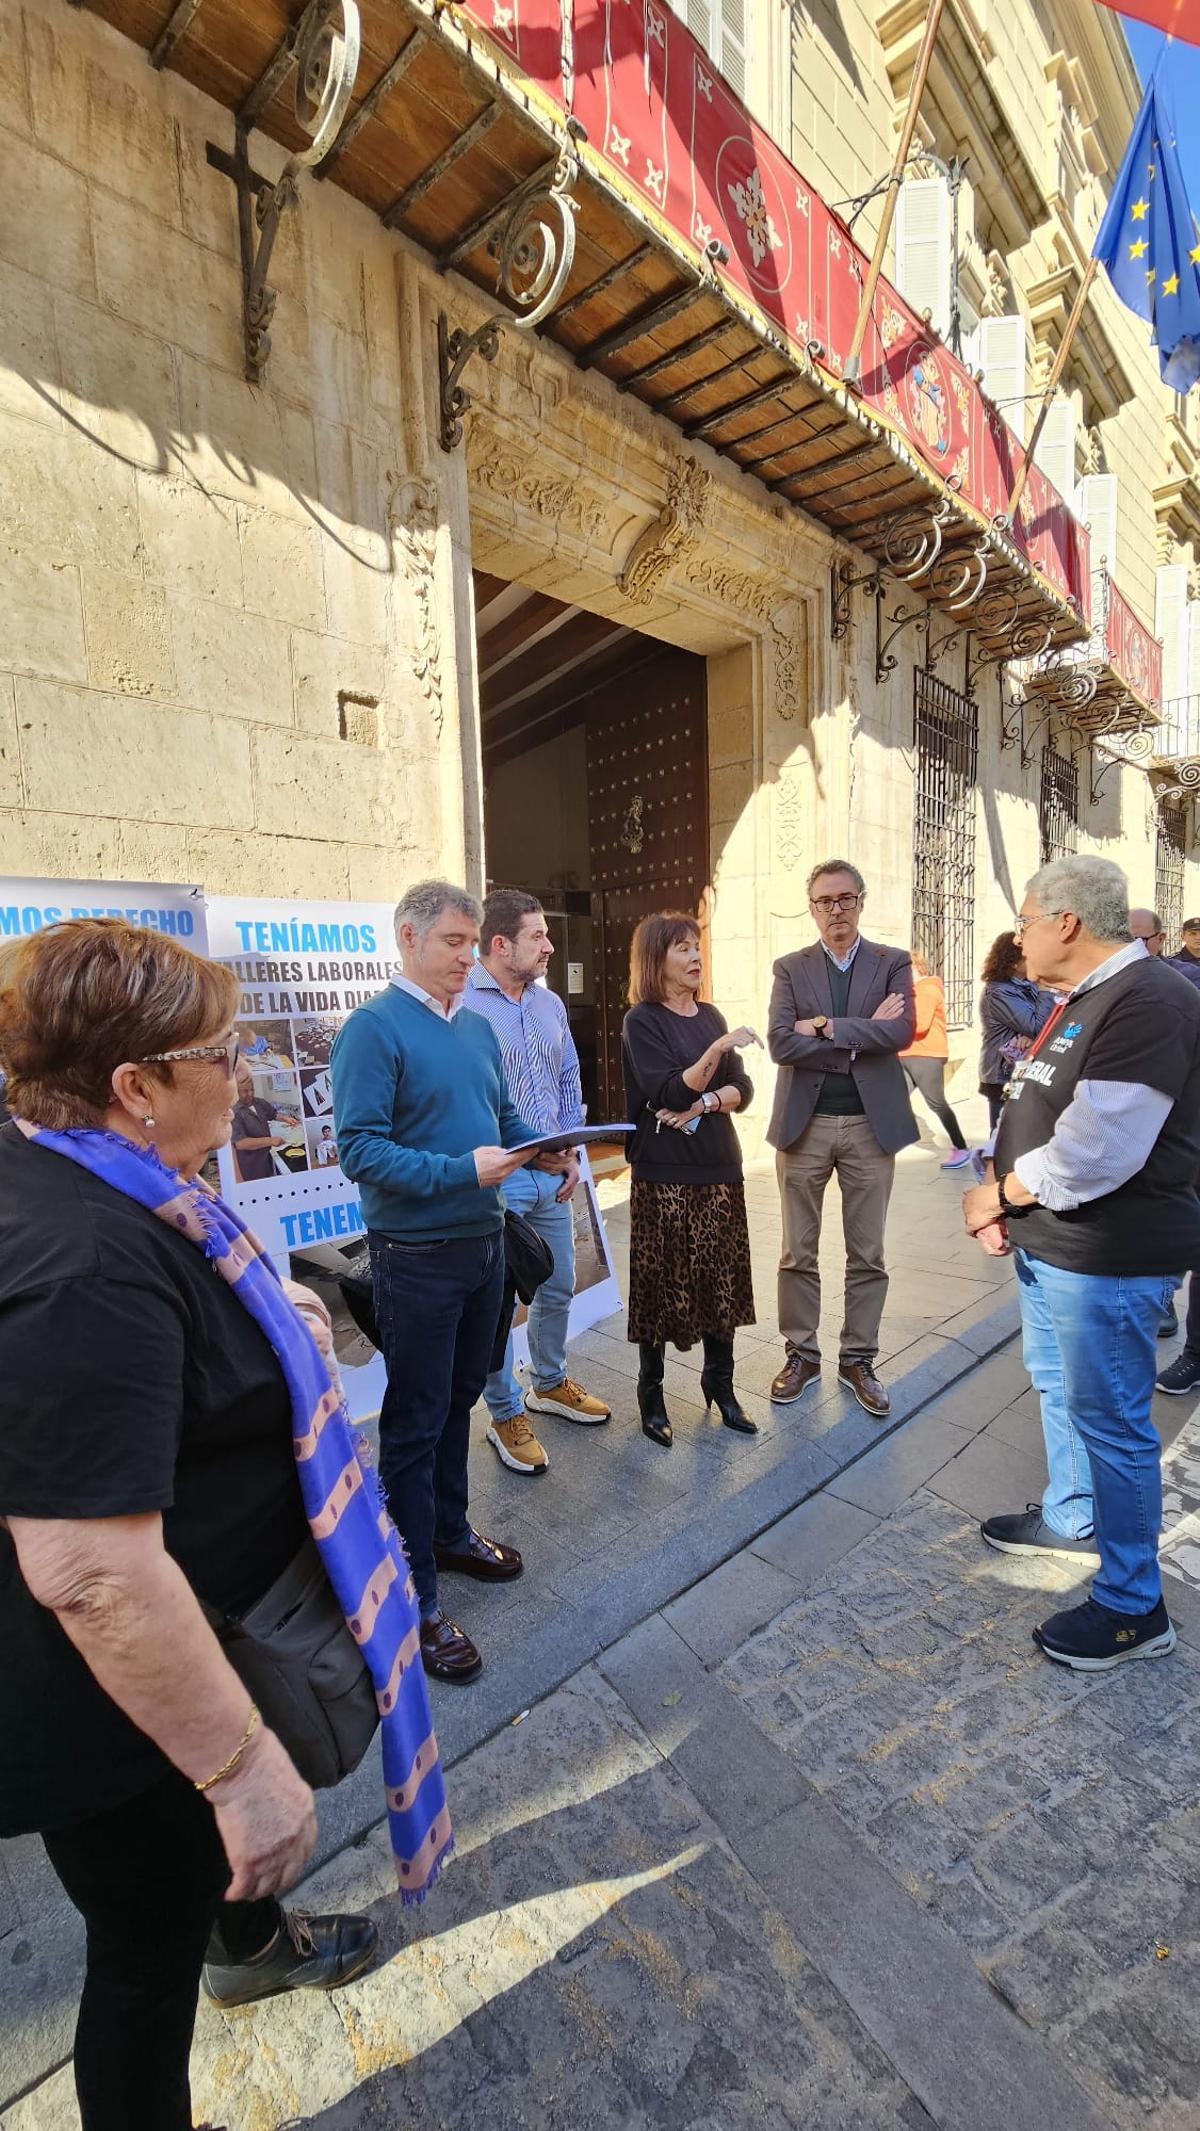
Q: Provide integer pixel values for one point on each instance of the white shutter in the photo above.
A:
(1055, 454)
(1171, 625)
(1001, 354)
(698, 14)
(1097, 506)
(922, 231)
(1192, 741)
(732, 56)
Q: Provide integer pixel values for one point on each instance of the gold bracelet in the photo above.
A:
(236, 1755)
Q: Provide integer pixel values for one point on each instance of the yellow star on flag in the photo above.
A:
(1139, 250)
(1170, 285)
(1195, 256)
(1140, 210)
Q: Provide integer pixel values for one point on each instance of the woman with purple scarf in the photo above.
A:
(172, 1441)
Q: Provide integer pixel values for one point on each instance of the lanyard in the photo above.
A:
(1044, 1031)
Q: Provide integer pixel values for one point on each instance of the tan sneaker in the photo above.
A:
(517, 1446)
(571, 1402)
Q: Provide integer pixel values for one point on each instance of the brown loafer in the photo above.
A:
(860, 1377)
(793, 1380)
(483, 1558)
(448, 1654)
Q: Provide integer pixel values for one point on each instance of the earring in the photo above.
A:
(147, 1120)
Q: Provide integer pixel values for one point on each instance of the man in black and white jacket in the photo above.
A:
(1094, 1191)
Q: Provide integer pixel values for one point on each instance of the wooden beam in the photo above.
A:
(402, 205)
(487, 588)
(176, 26)
(681, 354)
(616, 272)
(685, 392)
(478, 232)
(371, 103)
(255, 102)
(647, 320)
(583, 633)
(729, 413)
(536, 611)
(820, 466)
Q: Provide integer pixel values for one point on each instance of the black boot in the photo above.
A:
(716, 1383)
(655, 1419)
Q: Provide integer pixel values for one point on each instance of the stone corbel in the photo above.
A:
(324, 50)
(660, 544)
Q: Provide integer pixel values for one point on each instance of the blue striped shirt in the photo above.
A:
(537, 1050)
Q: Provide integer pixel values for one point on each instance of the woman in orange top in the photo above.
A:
(925, 1060)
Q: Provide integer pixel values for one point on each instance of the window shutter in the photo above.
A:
(1192, 741)
(698, 15)
(1001, 357)
(1097, 506)
(923, 248)
(1171, 624)
(1055, 454)
(732, 56)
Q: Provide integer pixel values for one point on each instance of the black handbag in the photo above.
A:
(298, 1660)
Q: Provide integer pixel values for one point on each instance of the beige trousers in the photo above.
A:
(864, 1174)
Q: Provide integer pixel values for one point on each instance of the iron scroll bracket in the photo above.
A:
(535, 248)
(843, 581)
(324, 51)
(901, 618)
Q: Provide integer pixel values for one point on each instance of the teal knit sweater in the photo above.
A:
(413, 1096)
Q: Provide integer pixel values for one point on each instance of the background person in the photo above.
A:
(1012, 1009)
(689, 1247)
(1187, 961)
(424, 1125)
(541, 1069)
(841, 1012)
(925, 1059)
(1146, 925)
(146, 1455)
(1094, 1185)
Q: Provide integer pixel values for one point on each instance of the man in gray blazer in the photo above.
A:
(841, 1011)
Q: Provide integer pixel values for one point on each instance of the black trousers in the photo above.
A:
(148, 1879)
(928, 1077)
(1191, 1342)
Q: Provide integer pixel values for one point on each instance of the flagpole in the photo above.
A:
(853, 363)
(1052, 382)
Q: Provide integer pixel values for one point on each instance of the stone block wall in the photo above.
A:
(211, 620)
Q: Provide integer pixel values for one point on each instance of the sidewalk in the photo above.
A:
(615, 1529)
(822, 1845)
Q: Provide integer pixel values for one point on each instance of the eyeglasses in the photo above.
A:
(1035, 918)
(228, 1053)
(828, 903)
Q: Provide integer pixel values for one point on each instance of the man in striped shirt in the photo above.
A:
(541, 1068)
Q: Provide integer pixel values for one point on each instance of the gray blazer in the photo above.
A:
(801, 989)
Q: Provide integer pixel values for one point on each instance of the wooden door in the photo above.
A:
(647, 762)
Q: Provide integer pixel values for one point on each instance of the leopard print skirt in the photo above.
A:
(689, 1263)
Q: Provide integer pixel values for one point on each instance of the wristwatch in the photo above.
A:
(708, 1098)
(1005, 1207)
(821, 1023)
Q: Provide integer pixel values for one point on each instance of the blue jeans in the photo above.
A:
(531, 1192)
(1090, 1349)
(437, 1305)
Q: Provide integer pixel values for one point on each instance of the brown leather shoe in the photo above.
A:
(793, 1380)
(448, 1654)
(482, 1558)
(860, 1377)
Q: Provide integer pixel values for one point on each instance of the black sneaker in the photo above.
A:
(1026, 1532)
(1183, 1374)
(1091, 1638)
(1168, 1323)
(306, 1953)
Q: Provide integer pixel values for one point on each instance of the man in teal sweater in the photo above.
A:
(423, 1124)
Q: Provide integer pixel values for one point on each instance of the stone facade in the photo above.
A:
(237, 642)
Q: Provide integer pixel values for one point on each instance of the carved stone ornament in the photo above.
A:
(995, 292)
(789, 819)
(413, 519)
(661, 543)
(507, 472)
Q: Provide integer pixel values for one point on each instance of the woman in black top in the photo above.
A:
(689, 1250)
(146, 1462)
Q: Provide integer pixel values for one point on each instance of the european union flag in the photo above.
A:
(1150, 243)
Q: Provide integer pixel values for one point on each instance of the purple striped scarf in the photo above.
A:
(362, 1553)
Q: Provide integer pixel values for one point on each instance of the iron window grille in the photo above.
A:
(1058, 807)
(947, 749)
(1170, 845)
